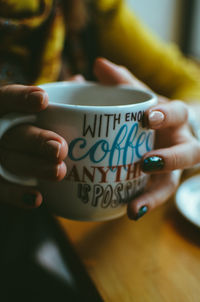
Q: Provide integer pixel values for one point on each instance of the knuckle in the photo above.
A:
(173, 161)
(183, 108)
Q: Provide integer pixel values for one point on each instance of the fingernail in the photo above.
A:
(143, 210)
(29, 199)
(153, 163)
(58, 170)
(53, 148)
(156, 118)
(37, 97)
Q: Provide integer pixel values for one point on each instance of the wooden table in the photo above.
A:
(154, 259)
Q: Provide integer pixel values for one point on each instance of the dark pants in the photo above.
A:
(37, 261)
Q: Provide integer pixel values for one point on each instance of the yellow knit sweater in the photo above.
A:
(120, 38)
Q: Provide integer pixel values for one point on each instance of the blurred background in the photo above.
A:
(175, 21)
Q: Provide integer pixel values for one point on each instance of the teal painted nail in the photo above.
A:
(29, 199)
(141, 212)
(153, 163)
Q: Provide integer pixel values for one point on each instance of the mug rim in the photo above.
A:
(152, 96)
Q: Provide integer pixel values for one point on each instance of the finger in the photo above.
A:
(159, 191)
(33, 140)
(25, 197)
(30, 166)
(20, 98)
(181, 156)
(170, 114)
(109, 73)
(76, 78)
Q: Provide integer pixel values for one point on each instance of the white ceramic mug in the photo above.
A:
(103, 126)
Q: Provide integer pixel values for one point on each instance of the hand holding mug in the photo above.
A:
(27, 150)
(175, 146)
(180, 150)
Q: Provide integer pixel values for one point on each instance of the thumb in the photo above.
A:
(109, 73)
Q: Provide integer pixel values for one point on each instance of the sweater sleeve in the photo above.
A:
(124, 40)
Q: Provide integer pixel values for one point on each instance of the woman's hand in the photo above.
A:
(175, 147)
(27, 150)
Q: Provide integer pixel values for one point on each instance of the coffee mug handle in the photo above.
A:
(6, 122)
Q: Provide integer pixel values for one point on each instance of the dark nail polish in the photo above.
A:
(29, 199)
(141, 212)
(153, 163)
